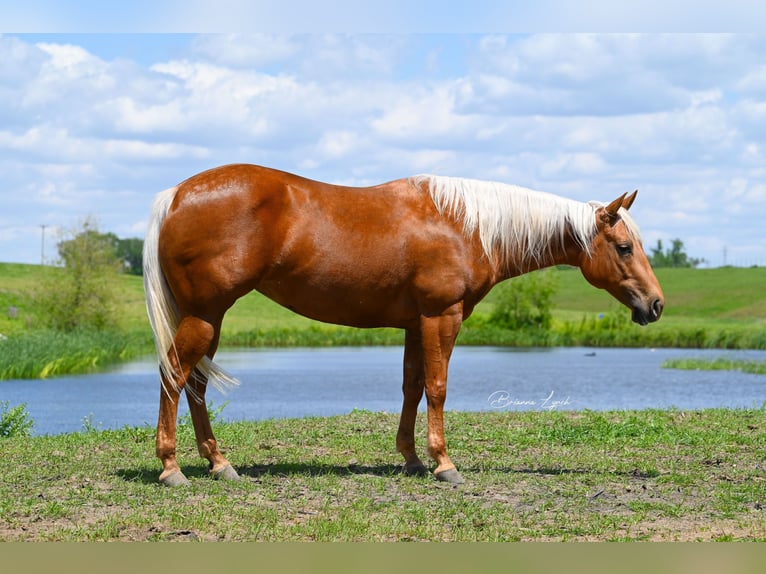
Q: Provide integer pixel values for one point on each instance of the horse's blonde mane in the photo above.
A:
(515, 220)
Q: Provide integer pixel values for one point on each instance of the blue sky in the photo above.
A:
(95, 124)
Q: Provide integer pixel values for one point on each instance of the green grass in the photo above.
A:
(648, 475)
(720, 364)
(18, 283)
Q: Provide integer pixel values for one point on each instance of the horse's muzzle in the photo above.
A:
(650, 314)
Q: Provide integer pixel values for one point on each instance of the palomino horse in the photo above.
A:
(416, 254)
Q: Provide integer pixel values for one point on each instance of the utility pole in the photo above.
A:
(42, 245)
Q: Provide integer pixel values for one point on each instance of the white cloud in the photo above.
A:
(581, 164)
(742, 196)
(750, 116)
(128, 150)
(245, 50)
(211, 95)
(336, 144)
(681, 117)
(132, 116)
(605, 74)
(753, 81)
(70, 61)
(59, 144)
(415, 116)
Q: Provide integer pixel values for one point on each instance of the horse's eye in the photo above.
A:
(624, 249)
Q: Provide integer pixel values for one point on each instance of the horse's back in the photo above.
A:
(362, 256)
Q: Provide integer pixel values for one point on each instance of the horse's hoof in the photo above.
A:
(226, 473)
(175, 479)
(415, 470)
(451, 476)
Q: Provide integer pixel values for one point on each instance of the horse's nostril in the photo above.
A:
(657, 308)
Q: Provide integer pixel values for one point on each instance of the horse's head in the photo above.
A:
(618, 264)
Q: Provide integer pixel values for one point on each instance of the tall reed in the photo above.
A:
(42, 354)
(315, 335)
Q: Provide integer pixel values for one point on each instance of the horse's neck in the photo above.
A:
(568, 253)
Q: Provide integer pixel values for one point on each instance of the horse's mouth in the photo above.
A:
(645, 315)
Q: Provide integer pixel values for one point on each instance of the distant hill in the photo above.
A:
(726, 293)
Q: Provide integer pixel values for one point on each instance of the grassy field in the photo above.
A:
(648, 475)
(724, 298)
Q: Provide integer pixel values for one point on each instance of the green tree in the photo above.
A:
(675, 256)
(526, 302)
(78, 291)
(131, 252)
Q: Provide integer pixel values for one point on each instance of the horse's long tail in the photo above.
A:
(161, 304)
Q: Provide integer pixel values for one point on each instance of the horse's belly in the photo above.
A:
(352, 307)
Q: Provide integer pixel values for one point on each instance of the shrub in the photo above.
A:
(525, 302)
(14, 421)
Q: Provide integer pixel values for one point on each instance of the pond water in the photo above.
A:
(280, 383)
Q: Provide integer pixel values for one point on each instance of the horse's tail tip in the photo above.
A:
(217, 376)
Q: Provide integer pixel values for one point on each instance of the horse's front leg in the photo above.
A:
(438, 336)
(412, 389)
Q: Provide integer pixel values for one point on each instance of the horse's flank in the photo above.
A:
(161, 305)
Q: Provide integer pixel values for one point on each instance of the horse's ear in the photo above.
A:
(613, 208)
(628, 201)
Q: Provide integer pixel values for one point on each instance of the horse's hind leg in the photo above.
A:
(207, 446)
(192, 341)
